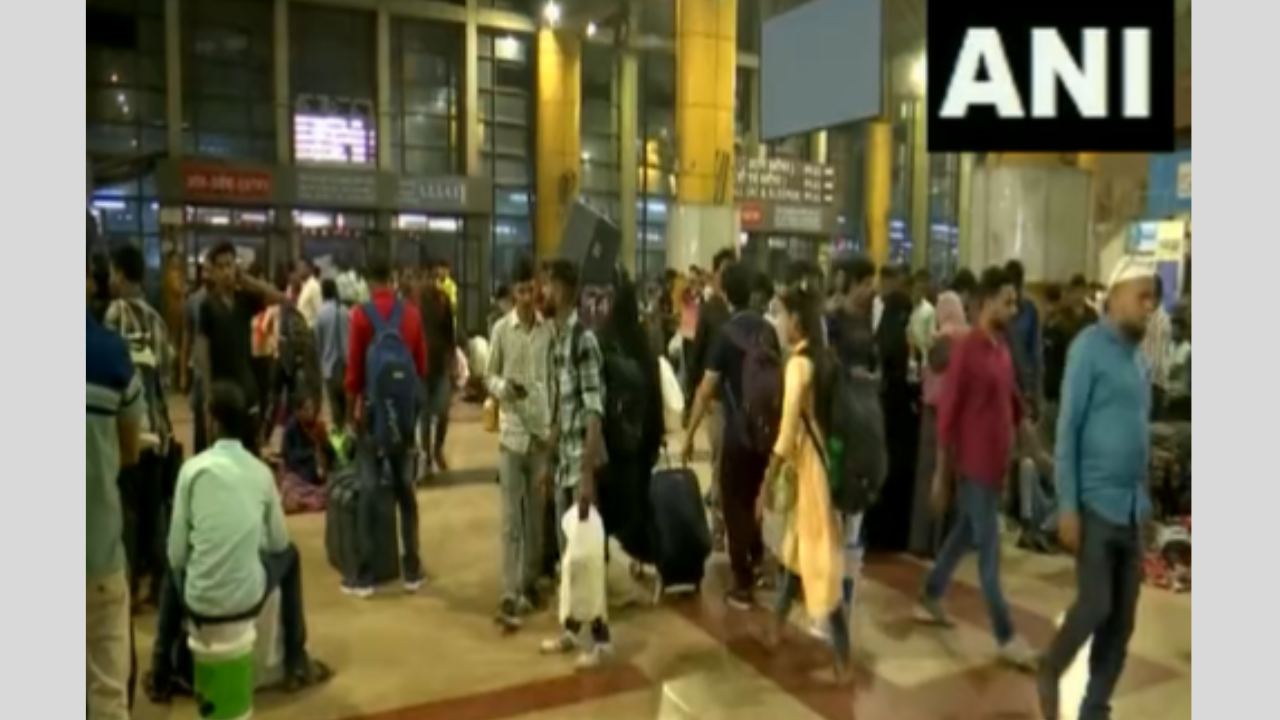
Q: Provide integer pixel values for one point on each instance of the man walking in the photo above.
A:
(978, 412)
(1103, 451)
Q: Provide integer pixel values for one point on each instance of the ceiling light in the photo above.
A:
(591, 29)
(551, 13)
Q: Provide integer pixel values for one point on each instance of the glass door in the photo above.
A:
(248, 229)
(332, 239)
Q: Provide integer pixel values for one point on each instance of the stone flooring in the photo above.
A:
(438, 656)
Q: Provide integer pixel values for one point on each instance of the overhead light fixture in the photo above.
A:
(591, 29)
(551, 12)
(919, 75)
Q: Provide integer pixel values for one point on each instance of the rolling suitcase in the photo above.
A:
(342, 537)
(682, 536)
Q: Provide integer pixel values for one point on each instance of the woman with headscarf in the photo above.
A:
(927, 530)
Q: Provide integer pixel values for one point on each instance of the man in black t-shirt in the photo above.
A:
(741, 469)
(850, 328)
(224, 337)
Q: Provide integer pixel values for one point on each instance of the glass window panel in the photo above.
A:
(427, 131)
(231, 146)
(428, 161)
(112, 139)
(658, 17)
(510, 108)
(484, 73)
(512, 231)
(122, 105)
(599, 178)
(512, 77)
(210, 79)
(509, 170)
(431, 100)
(511, 48)
(332, 51)
(598, 150)
(597, 117)
(506, 139)
(511, 201)
(222, 116)
(109, 66)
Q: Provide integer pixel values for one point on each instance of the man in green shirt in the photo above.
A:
(229, 549)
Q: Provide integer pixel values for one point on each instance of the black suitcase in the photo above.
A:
(342, 536)
(682, 535)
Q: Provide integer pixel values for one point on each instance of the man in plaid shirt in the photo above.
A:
(577, 438)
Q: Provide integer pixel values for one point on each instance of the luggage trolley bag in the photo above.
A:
(342, 530)
(682, 536)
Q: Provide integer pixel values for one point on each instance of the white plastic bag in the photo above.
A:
(478, 355)
(582, 568)
(672, 395)
(464, 368)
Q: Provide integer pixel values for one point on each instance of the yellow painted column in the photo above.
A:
(879, 181)
(706, 64)
(704, 221)
(559, 147)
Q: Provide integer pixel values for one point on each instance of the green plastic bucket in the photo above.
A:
(224, 663)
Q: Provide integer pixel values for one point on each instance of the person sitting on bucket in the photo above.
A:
(224, 559)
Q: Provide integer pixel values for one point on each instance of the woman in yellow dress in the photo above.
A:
(797, 487)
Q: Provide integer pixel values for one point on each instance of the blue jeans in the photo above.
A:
(977, 525)
(377, 473)
(789, 585)
(1108, 583)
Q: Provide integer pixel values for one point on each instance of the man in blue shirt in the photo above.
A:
(1103, 450)
(113, 421)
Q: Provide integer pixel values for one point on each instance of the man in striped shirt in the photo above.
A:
(114, 410)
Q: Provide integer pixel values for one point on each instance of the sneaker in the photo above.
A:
(563, 645)
(593, 656)
(414, 585)
(364, 592)
(740, 599)
(508, 615)
(820, 630)
(1017, 654)
(934, 612)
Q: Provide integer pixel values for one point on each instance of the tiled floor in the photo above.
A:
(437, 656)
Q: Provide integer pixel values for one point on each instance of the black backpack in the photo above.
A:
(625, 397)
(857, 460)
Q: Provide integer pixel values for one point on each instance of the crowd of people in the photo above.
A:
(863, 412)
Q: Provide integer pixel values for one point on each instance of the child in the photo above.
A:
(308, 456)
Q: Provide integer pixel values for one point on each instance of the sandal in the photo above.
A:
(316, 673)
(158, 692)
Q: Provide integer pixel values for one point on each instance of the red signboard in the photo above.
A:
(751, 215)
(226, 183)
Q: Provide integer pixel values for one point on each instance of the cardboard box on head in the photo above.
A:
(592, 242)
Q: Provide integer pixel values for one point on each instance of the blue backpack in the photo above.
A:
(391, 384)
